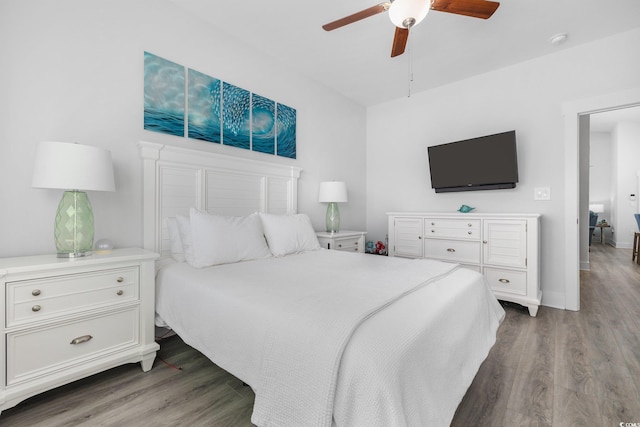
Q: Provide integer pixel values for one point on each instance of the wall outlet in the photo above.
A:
(542, 193)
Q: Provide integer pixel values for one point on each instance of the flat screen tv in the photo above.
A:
(485, 163)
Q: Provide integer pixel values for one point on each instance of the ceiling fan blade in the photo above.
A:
(474, 8)
(399, 41)
(373, 10)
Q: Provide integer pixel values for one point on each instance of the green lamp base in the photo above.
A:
(73, 229)
(333, 218)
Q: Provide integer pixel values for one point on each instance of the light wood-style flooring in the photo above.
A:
(561, 368)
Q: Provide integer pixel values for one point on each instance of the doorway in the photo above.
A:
(614, 150)
(577, 115)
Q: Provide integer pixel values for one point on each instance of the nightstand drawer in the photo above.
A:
(507, 281)
(352, 241)
(351, 244)
(452, 250)
(452, 229)
(35, 353)
(32, 300)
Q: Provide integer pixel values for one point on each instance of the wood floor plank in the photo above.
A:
(573, 409)
(532, 391)
(559, 369)
(494, 382)
(573, 369)
(512, 334)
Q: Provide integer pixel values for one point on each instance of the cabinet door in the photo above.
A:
(505, 243)
(408, 237)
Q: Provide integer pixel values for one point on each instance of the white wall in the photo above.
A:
(601, 169)
(72, 70)
(527, 97)
(627, 140)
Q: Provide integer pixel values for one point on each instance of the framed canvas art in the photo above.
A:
(163, 95)
(205, 102)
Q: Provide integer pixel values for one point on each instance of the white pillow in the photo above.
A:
(184, 229)
(177, 252)
(288, 234)
(221, 239)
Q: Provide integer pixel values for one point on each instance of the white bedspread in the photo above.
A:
(283, 324)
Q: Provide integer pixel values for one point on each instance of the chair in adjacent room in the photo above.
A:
(593, 220)
(635, 254)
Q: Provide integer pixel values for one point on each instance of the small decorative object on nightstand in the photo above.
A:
(104, 246)
(63, 320)
(351, 241)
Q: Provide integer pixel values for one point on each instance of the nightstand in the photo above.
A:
(351, 241)
(65, 319)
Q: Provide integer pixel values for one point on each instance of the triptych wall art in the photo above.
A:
(216, 111)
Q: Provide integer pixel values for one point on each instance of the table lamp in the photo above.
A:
(75, 168)
(333, 192)
(597, 207)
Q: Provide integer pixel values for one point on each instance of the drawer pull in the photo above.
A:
(120, 292)
(433, 231)
(36, 308)
(81, 339)
(433, 223)
(470, 225)
(469, 232)
(339, 245)
(484, 241)
(355, 249)
(419, 237)
(35, 292)
(451, 250)
(504, 281)
(120, 279)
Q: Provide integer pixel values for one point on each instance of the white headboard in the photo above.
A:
(176, 179)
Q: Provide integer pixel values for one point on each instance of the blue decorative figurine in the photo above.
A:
(465, 209)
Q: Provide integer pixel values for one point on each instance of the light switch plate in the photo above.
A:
(542, 193)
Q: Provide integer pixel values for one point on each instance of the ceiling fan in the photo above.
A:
(406, 14)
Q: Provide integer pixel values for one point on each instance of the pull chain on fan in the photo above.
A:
(410, 70)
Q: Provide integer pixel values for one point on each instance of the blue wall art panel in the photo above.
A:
(204, 107)
(263, 124)
(163, 95)
(286, 131)
(236, 126)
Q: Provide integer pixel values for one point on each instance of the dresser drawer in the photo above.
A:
(453, 250)
(507, 281)
(452, 229)
(38, 299)
(34, 353)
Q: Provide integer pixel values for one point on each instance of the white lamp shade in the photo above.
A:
(400, 10)
(333, 191)
(597, 207)
(71, 166)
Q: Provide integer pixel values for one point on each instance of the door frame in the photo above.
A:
(573, 111)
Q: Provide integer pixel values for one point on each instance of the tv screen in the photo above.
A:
(484, 163)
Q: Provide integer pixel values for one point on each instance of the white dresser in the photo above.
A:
(351, 241)
(65, 319)
(503, 247)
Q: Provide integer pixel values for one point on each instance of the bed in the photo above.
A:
(323, 337)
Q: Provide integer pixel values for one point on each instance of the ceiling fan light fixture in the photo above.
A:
(408, 13)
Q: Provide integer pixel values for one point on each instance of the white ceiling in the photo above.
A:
(355, 60)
